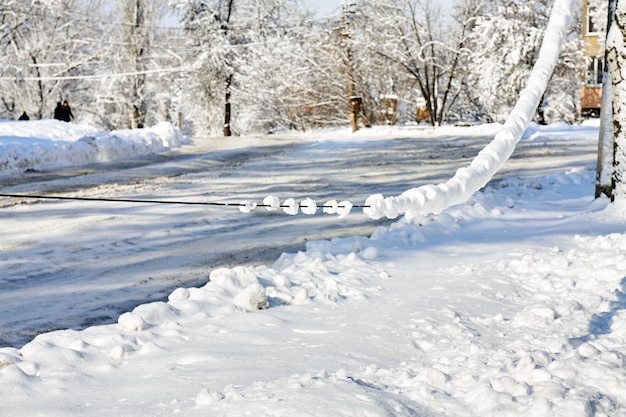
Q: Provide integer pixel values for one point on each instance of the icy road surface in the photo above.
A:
(73, 264)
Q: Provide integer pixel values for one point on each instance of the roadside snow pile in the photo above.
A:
(559, 131)
(40, 145)
(502, 306)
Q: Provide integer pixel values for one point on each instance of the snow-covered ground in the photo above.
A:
(109, 257)
(51, 144)
(511, 304)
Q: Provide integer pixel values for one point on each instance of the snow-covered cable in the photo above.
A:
(458, 189)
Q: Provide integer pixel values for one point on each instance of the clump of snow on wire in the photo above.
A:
(40, 145)
(292, 207)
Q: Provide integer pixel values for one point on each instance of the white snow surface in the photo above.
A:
(510, 304)
(48, 144)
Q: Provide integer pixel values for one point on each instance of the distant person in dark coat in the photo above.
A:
(58, 110)
(24, 116)
(67, 114)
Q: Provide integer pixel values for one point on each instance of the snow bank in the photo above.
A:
(528, 327)
(51, 144)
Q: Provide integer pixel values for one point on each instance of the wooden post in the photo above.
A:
(356, 104)
(180, 120)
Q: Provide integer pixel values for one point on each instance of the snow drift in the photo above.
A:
(51, 144)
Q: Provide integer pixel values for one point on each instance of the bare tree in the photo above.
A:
(209, 26)
(131, 54)
(415, 36)
(505, 43)
(616, 59)
(47, 49)
(239, 48)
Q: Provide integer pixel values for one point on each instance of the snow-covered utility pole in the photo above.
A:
(606, 157)
(616, 59)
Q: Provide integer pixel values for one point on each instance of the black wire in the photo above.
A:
(118, 200)
(132, 200)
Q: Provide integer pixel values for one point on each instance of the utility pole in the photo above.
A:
(356, 102)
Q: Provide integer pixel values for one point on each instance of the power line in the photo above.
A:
(187, 48)
(99, 76)
(244, 204)
(117, 200)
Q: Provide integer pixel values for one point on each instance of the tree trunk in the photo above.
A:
(355, 107)
(616, 50)
(40, 90)
(604, 167)
(605, 162)
(137, 118)
(227, 110)
(139, 46)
